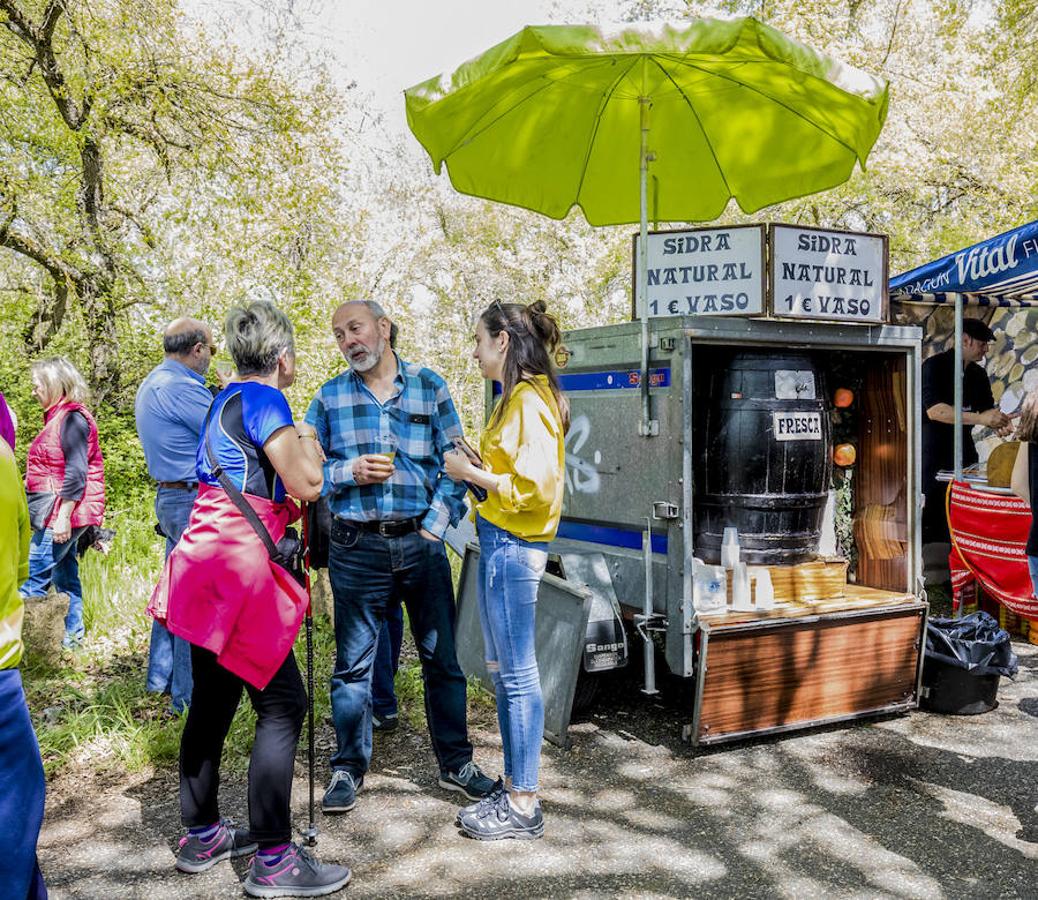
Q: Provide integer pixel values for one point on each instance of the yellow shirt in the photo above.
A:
(524, 447)
(14, 557)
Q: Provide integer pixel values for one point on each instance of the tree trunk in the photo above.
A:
(95, 293)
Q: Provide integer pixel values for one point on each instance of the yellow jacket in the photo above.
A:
(14, 558)
(524, 447)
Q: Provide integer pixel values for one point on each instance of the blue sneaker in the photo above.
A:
(469, 780)
(341, 795)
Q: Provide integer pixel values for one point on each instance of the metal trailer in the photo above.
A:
(622, 559)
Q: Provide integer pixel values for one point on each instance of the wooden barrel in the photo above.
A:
(763, 458)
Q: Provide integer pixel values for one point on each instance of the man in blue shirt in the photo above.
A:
(170, 407)
(384, 426)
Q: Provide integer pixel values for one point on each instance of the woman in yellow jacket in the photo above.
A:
(21, 770)
(523, 458)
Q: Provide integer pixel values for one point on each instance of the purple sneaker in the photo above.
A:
(196, 855)
(295, 874)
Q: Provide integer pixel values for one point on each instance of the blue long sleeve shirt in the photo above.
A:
(420, 415)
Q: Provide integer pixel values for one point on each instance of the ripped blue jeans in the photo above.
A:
(510, 571)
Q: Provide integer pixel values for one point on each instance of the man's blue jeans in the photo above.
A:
(169, 657)
(57, 564)
(387, 660)
(369, 573)
(510, 571)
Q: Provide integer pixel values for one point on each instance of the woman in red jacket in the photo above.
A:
(65, 484)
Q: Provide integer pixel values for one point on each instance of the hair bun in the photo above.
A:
(544, 324)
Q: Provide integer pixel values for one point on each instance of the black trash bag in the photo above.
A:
(965, 658)
(974, 643)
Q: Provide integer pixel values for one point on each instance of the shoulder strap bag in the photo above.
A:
(288, 552)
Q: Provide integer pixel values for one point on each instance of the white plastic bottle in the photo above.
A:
(708, 587)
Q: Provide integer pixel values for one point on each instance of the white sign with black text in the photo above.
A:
(704, 272)
(797, 426)
(832, 275)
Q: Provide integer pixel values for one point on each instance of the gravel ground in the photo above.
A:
(913, 806)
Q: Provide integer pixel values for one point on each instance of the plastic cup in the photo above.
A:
(387, 444)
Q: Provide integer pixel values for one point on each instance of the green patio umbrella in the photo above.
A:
(559, 116)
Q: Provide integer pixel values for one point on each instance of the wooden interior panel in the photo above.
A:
(808, 671)
(881, 479)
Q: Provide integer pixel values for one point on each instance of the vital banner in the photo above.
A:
(703, 272)
(1002, 266)
(832, 275)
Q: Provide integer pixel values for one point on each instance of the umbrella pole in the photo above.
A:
(648, 426)
(957, 438)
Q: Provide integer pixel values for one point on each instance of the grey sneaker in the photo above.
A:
(196, 855)
(295, 874)
(500, 820)
(341, 795)
(469, 780)
(475, 808)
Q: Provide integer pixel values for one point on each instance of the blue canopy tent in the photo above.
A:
(1001, 271)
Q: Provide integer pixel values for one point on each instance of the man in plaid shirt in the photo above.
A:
(384, 425)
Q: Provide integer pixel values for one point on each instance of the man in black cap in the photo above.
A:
(978, 408)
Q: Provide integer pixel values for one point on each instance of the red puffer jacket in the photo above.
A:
(45, 465)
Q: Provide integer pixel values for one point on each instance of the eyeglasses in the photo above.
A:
(213, 349)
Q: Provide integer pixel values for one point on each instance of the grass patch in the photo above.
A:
(940, 600)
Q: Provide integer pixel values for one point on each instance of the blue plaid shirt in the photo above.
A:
(349, 420)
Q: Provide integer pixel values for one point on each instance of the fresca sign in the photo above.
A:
(784, 271)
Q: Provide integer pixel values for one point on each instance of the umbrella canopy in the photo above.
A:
(553, 117)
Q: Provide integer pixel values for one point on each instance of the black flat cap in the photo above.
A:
(977, 330)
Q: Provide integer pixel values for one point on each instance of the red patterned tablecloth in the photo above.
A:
(989, 533)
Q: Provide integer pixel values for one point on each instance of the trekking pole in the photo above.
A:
(310, 835)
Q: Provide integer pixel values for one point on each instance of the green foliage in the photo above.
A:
(149, 170)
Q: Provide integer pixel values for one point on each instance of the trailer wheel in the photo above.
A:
(585, 692)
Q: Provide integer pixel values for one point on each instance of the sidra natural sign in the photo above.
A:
(831, 275)
(705, 272)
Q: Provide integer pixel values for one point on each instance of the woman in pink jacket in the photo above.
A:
(65, 484)
(241, 611)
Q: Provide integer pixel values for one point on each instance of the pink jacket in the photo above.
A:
(220, 590)
(45, 466)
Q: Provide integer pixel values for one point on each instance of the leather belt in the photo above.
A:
(180, 485)
(390, 527)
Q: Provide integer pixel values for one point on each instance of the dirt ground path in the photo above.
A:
(915, 806)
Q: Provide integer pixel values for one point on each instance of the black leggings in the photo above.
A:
(280, 709)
